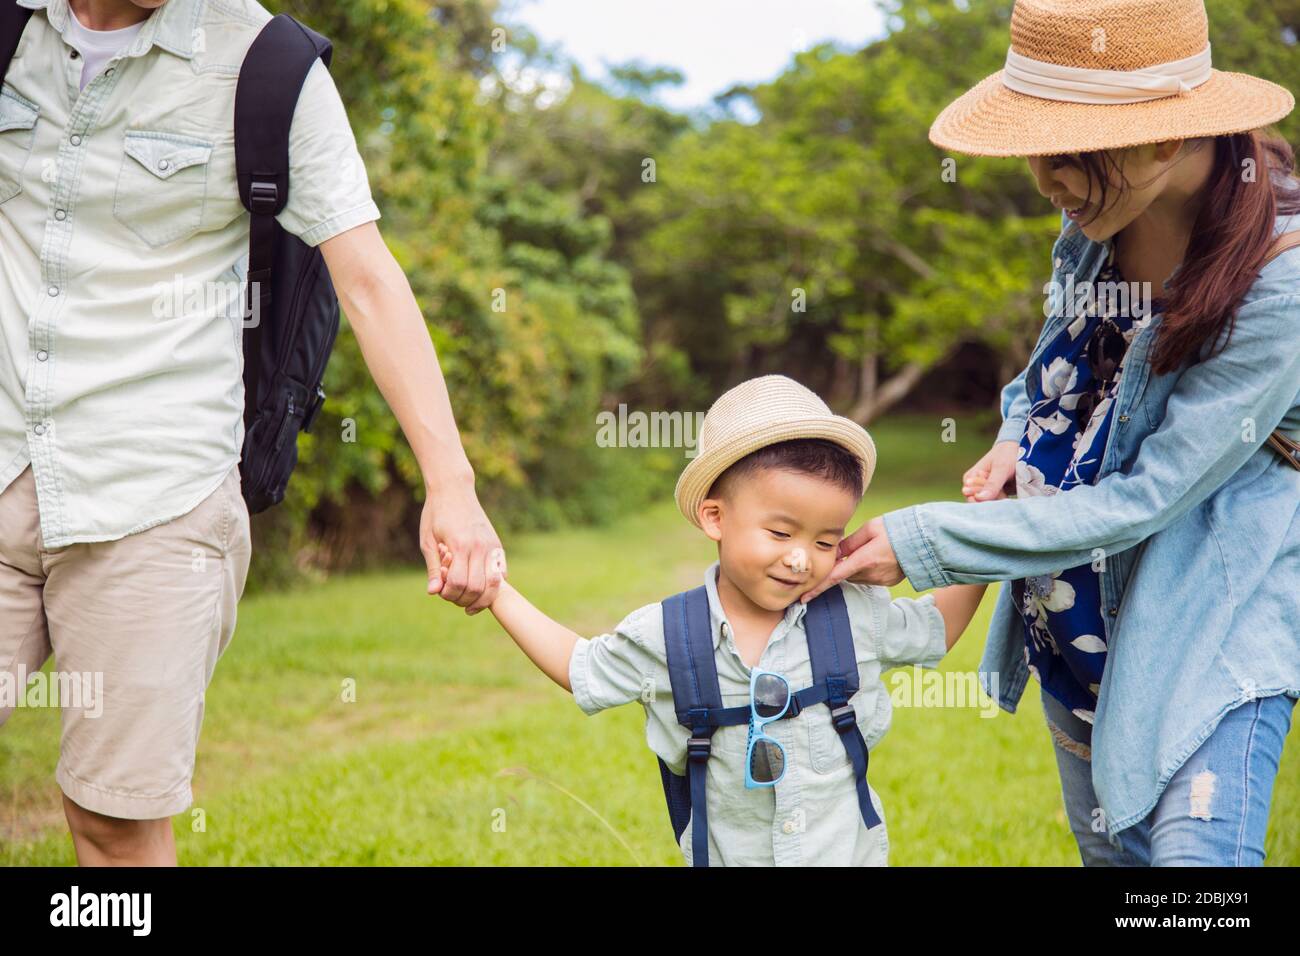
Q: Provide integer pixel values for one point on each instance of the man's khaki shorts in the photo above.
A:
(145, 617)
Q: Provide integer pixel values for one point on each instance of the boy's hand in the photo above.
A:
(496, 572)
(994, 475)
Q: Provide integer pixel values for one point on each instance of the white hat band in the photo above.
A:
(1076, 85)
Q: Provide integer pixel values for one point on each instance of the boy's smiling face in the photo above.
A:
(778, 533)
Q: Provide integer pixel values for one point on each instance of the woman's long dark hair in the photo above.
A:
(1230, 238)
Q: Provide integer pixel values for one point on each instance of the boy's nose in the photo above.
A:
(797, 560)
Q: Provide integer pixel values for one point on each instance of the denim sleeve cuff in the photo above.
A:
(581, 687)
(912, 549)
(1013, 429)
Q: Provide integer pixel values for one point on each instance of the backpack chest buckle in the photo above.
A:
(844, 717)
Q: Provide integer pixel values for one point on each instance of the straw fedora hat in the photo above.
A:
(760, 412)
(1087, 75)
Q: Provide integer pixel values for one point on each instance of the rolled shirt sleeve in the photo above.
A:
(329, 191)
(913, 633)
(896, 631)
(1198, 446)
(614, 668)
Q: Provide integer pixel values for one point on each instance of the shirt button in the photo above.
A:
(74, 54)
(1057, 263)
(60, 214)
(1123, 418)
(109, 71)
(42, 355)
(1114, 611)
(787, 827)
(39, 429)
(162, 164)
(75, 140)
(54, 290)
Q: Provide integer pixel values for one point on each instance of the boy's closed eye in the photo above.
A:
(785, 536)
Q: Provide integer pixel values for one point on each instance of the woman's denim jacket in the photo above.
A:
(1193, 521)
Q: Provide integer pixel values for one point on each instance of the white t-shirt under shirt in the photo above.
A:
(97, 47)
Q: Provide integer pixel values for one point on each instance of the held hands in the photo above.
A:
(994, 475)
(462, 552)
(866, 557)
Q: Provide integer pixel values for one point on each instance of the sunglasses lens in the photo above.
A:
(771, 693)
(767, 761)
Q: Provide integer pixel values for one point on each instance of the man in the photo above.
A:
(124, 539)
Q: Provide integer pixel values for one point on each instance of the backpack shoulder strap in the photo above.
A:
(13, 20)
(266, 95)
(270, 81)
(688, 642)
(830, 644)
(835, 667)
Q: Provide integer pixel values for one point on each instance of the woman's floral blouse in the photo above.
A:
(1064, 644)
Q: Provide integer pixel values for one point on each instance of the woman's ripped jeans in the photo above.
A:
(1214, 810)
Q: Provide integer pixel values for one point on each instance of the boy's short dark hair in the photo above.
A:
(808, 456)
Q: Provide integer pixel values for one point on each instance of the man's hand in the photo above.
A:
(463, 554)
(994, 475)
(866, 557)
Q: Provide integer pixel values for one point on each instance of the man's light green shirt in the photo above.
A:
(123, 246)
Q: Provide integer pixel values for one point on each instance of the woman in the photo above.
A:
(1154, 547)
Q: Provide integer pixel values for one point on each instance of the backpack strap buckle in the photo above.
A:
(844, 718)
(263, 197)
(698, 749)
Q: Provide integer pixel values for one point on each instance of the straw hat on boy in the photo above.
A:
(757, 413)
(1086, 75)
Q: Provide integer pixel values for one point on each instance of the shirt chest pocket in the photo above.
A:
(162, 185)
(826, 749)
(17, 133)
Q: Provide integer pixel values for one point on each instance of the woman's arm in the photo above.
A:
(1219, 414)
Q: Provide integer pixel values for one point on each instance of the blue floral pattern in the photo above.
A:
(1065, 647)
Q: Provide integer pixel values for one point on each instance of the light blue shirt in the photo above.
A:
(811, 817)
(1197, 521)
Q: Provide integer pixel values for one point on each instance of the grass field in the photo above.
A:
(456, 751)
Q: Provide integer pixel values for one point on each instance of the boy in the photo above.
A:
(776, 480)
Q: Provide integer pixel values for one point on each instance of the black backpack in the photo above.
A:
(697, 700)
(291, 313)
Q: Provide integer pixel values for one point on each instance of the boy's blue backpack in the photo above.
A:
(697, 699)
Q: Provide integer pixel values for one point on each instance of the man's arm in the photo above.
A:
(395, 343)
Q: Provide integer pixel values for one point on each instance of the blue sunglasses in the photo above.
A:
(769, 699)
